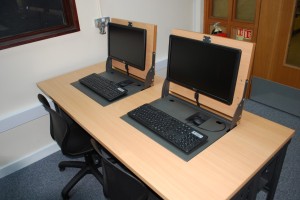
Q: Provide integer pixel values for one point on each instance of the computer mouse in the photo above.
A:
(125, 83)
(197, 121)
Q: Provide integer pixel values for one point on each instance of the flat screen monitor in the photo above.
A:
(206, 68)
(127, 44)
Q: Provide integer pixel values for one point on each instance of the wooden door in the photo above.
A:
(238, 19)
(276, 29)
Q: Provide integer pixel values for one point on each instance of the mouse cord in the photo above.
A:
(218, 130)
(127, 69)
(196, 96)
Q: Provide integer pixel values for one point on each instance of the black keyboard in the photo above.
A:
(103, 87)
(171, 129)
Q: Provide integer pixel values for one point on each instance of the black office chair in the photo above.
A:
(74, 142)
(119, 184)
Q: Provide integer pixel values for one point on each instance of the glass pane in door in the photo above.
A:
(220, 8)
(293, 57)
(245, 10)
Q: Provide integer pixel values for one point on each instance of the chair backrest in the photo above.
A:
(59, 128)
(118, 184)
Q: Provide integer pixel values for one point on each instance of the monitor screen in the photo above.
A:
(206, 68)
(127, 44)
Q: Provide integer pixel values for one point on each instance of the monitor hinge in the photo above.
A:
(165, 88)
(151, 73)
(109, 65)
(238, 112)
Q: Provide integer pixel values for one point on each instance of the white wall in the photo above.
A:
(166, 14)
(198, 15)
(23, 66)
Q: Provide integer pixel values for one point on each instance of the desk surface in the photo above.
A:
(218, 172)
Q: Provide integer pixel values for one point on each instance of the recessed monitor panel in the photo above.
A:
(206, 68)
(127, 44)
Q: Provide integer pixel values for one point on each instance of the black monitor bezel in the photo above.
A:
(144, 31)
(228, 100)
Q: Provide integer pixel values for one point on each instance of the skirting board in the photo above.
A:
(29, 159)
(23, 117)
(38, 111)
(161, 64)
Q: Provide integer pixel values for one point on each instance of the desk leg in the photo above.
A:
(272, 185)
(267, 178)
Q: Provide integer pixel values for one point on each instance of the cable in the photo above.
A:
(127, 69)
(218, 130)
(196, 96)
(99, 8)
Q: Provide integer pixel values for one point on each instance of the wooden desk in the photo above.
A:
(224, 170)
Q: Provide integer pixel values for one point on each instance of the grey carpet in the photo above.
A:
(43, 180)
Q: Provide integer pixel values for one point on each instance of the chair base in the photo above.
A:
(87, 167)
